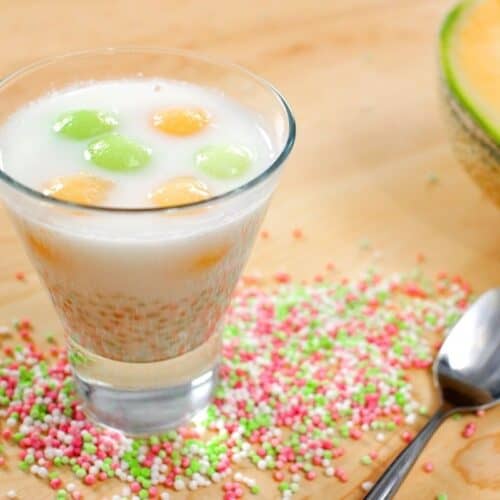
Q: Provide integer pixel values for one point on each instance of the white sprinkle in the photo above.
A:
(367, 485)
(296, 478)
(193, 485)
(179, 484)
(329, 471)
(71, 487)
(261, 464)
(238, 476)
(380, 437)
(11, 494)
(165, 496)
(410, 419)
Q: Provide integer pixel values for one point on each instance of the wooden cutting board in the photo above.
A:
(372, 164)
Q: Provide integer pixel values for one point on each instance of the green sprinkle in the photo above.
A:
(441, 496)
(254, 490)
(284, 486)
(24, 466)
(423, 411)
(366, 460)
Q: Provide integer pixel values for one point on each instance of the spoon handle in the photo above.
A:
(385, 488)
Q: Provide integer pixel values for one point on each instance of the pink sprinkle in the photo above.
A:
(469, 430)
(373, 455)
(407, 436)
(282, 277)
(135, 487)
(20, 276)
(153, 491)
(428, 467)
(310, 475)
(279, 476)
(55, 483)
(480, 413)
(297, 233)
(90, 480)
(264, 234)
(2, 461)
(341, 474)
(355, 433)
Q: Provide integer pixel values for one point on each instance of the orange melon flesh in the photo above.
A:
(80, 188)
(470, 57)
(180, 191)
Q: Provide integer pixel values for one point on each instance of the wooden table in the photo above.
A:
(361, 78)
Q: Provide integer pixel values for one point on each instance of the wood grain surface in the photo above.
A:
(361, 76)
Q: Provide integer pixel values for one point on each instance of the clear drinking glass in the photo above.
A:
(141, 293)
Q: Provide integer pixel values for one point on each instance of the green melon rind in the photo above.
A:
(453, 78)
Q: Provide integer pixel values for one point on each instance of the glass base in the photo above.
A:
(149, 411)
(146, 398)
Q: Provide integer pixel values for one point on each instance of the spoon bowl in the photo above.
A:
(467, 372)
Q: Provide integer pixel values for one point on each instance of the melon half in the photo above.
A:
(470, 64)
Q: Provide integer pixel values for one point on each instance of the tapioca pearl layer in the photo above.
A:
(139, 329)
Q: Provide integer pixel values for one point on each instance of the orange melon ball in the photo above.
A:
(180, 121)
(180, 191)
(79, 188)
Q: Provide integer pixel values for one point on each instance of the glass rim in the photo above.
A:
(255, 181)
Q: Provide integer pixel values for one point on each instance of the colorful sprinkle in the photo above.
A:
(306, 370)
(428, 467)
(469, 430)
(84, 124)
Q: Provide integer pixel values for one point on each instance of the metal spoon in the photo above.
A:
(467, 371)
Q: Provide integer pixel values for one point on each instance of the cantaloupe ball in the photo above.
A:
(180, 191)
(180, 121)
(79, 188)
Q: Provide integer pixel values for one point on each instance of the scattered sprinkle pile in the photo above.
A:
(306, 369)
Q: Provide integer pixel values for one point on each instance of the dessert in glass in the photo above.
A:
(137, 180)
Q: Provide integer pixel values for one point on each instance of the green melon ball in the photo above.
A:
(223, 161)
(84, 123)
(118, 153)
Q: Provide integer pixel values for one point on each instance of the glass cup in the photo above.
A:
(142, 293)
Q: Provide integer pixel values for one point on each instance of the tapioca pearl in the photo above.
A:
(223, 161)
(81, 188)
(83, 124)
(118, 153)
(181, 121)
(180, 191)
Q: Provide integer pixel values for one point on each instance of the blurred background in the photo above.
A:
(372, 171)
